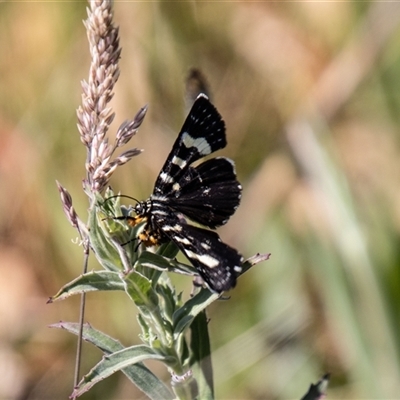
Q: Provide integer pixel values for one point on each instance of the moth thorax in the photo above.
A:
(143, 207)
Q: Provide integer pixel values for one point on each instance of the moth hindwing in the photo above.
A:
(207, 194)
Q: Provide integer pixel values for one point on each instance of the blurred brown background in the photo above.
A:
(310, 93)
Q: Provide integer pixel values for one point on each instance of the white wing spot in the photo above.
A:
(176, 228)
(237, 268)
(200, 143)
(205, 246)
(179, 162)
(158, 198)
(205, 259)
(166, 178)
(182, 240)
(159, 212)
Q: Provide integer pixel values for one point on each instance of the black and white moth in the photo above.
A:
(207, 194)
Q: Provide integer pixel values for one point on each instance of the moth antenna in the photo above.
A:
(122, 195)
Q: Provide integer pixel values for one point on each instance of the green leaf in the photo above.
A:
(90, 282)
(140, 290)
(104, 251)
(184, 316)
(201, 356)
(115, 362)
(99, 339)
(137, 373)
(152, 265)
(168, 250)
(161, 263)
(168, 300)
(147, 335)
(154, 260)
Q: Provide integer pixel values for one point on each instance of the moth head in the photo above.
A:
(142, 207)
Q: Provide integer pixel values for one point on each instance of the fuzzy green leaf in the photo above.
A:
(141, 376)
(201, 356)
(115, 362)
(184, 316)
(89, 282)
(91, 335)
(168, 250)
(104, 251)
(140, 290)
(161, 263)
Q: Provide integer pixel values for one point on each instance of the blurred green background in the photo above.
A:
(310, 93)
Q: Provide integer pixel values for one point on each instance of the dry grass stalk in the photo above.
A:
(95, 115)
